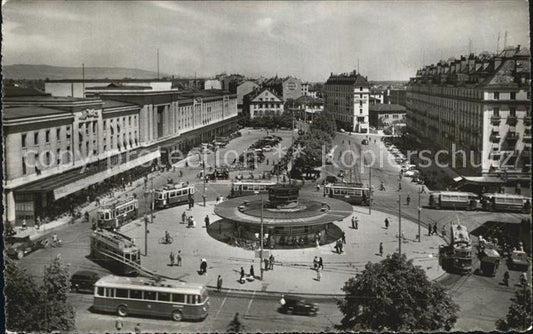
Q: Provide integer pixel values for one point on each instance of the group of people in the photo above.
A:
(432, 229)
(339, 244)
(189, 220)
(175, 258)
(269, 263)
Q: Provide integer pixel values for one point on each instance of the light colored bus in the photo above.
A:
(505, 202)
(115, 251)
(453, 200)
(244, 188)
(173, 194)
(353, 193)
(117, 213)
(147, 297)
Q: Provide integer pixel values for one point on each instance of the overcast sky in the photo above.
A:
(305, 39)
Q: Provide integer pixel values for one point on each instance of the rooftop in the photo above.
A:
(387, 108)
(351, 78)
(33, 111)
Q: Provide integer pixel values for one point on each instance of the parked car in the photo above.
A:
(298, 305)
(518, 261)
(18, 247)
(84, 280)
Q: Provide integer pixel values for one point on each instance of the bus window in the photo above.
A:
(122, 293)
(110, 292)
(102, 215)
(197, 299)
(136, 294)
(127, 256)
(100, 291)
(163, 296)
(149, 295)
(191, 299)
(107, 216)
(178, 298)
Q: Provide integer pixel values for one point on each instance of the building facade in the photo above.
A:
(265, 103)
(346, 100)
(479, 104)
(386, 115)
(244, 89)
(60, 147)
(78, 87)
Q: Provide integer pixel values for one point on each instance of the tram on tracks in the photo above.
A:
(173, 194)
(117, 213)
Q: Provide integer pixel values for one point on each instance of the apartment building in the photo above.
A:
(264, 102)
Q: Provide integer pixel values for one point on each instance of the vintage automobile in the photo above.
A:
(84, 280)
(489, 261)
(298, 305)
(518, 261)
(18, 247)
(219, 175)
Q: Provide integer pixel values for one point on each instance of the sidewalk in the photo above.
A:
(293, 269)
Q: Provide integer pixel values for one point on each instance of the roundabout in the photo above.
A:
(289, 220)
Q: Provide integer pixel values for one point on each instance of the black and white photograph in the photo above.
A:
(266, 166)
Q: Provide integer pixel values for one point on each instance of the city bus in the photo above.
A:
(119, 212)
(115, 251)
(148, 297)
(173, 194)
(353, 193)
(453, 200)
(457, 255)
(244, 188)
(505, 202)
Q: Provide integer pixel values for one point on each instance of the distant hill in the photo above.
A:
(35, 72)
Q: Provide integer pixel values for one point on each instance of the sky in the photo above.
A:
(387, 40)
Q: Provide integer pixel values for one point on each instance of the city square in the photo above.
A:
(148, 202)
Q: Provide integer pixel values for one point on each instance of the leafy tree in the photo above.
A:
(394, 295)
(56, 311)
(519, 316)
(21, 294)
(236, 326)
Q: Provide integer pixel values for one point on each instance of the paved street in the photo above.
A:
(482, 299)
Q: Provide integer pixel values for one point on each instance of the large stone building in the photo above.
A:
(79, 87)
(346, 100)
(479, 104)
(243, 89)
(264, 102)
(286, 88)
(57, 148)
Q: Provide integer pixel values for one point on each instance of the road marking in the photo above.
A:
(222, 304)
(250, 304)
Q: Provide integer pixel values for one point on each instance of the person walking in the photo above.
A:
(435, 229)
(219, 283)
(429, 230)
(408, 199)
(387, 222)
(380, 249)
(206, 220)
(343, 238)
(506, 278)
(315, 263)
(271, 262)
(172, 257)
(203, 266)
(183, 217)
(178, 259)
(252, 272)
(320, 263)
(266, 263)
(241, 280)
(318, 274)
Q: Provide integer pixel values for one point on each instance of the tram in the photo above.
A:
(353, 193)
(118, 213)
(173, 194)
(453, 200)
(244, 188)
(115, 251)
(457, 255)
(505, 202)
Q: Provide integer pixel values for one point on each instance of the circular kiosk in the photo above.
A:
(290, 220)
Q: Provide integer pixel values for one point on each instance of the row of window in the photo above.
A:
(149, 295)
(265, 105)
(24, 136)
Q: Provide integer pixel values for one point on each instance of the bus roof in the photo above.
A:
(504, 195)
(117, 202)
(179, 185)
(347, 185)
(143, 283)
(459, 233)
(452, 193)
(256, 182)
(118, 239)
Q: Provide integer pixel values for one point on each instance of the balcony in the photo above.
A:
(495, 137)
(512, 120)
(495, 120)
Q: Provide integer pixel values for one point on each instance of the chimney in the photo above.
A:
(463, 64)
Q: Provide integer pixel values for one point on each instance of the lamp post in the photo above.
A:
(203, 177)
(261, 238)
(369, 190)
(146, 220)
(419, 211)
(400, 224)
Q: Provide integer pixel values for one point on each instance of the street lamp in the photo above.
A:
(146, 231)
(400, 224)
(261, 237)
(419, 211)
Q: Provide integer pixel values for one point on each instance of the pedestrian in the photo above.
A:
(241, 280)
(400, 185)
(408, 199)
(178, 259)
(137, 328)
(315, 263)
(356, 223)
(193, 222)
(320, 263)
(343, 238)
(172, 257)
(317, 239)
(206, 220)
(429, 230)
(266, 263)
(203, 266)
(387, 222)
(271, 262)
(380, 249)
(435, 229)
(252, 272)
(119, 324)
(183, 217)
(217, 200)
(318, 274)
(219, 283)
(506, 278)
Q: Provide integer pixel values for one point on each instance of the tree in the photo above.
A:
(394, 295)
(21, 294)
(519, 316)
(236, 326)
(56, 311)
